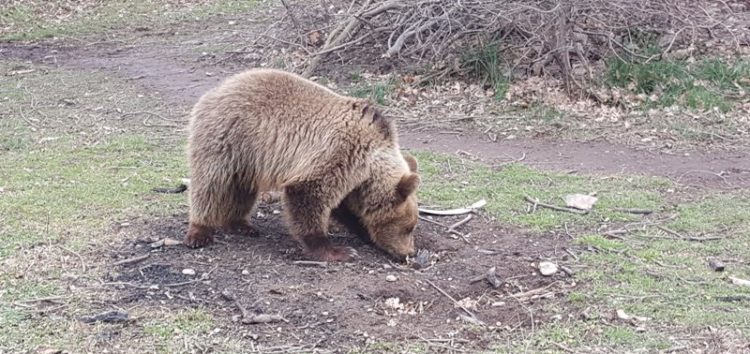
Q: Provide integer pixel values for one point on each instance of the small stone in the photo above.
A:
(547, 268)
(188, 271)
(245, 272)
(716, 265)
(390, 278)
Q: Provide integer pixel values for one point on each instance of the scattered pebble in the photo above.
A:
(245, 272)
(390, 278)
(467, 303)
(394, 303)
(188, 271)
(716, 265)
(547, 268)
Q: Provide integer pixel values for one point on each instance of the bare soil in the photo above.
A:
(340, 306)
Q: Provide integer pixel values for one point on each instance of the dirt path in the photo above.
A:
(165, 71)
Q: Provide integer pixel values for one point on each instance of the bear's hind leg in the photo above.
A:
(216, 204)
(244, 200)
(307, 209)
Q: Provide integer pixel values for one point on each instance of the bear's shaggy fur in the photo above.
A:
(331, 155)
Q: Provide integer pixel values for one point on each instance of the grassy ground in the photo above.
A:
(646, 272)
(33, 20)
(72, 169)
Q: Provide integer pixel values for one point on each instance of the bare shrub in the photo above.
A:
(558, 37)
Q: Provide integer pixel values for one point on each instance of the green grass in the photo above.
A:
(53, 191)
(33, 21)
(708, 84)
(450, 182)
(486, 65)
(379, 92)
(186, 322)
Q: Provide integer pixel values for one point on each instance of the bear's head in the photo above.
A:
(391, 225)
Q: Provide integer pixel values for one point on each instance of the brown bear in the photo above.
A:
(331, 155)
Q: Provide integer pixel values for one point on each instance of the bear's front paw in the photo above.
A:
(198, 236)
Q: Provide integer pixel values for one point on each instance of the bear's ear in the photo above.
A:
(411, 161)
(407, 186)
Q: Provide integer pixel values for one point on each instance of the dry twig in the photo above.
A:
(131, 260)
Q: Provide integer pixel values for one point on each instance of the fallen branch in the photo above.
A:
(688, 238)
(456, 303)
(536, 203)
(461, 222)
(460, 211)
(248, 318)
(131, 260)
(633, 211)
(449, 229)
(532, 292)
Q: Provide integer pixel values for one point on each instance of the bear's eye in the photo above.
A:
(409, 229)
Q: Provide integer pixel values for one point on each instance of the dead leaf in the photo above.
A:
(314, 38)
(580, 201)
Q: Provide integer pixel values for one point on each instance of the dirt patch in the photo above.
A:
(343, 305)
(725, 170)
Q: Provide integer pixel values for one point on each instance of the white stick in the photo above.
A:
(459, 211)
